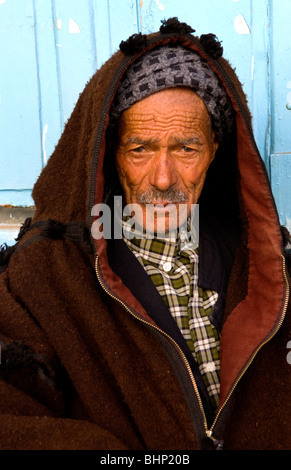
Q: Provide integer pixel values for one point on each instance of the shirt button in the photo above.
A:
(167, 266)
(210, 367)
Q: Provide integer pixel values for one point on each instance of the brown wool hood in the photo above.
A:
(73, 181)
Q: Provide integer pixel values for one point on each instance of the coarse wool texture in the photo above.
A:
(94, 359)
(263, 423)
(97, 373)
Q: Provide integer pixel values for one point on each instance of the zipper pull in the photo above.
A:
(218, 444)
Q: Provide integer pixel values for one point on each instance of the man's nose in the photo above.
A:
(163, 173)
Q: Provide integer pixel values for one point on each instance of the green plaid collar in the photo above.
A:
(161, 252)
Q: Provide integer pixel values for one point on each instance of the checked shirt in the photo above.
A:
(173, 268)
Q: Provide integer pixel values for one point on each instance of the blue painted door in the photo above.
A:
(50, 48)
(280, 109)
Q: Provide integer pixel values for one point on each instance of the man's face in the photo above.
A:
(165, 147)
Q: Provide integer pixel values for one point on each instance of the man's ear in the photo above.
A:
(215, 145)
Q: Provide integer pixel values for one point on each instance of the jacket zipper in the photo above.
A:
(250, 361)
(209, 432)
(137, 317)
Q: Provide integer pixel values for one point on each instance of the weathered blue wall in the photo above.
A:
(50, 48)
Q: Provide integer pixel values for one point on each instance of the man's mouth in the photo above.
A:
(163, 204)
(162, 198)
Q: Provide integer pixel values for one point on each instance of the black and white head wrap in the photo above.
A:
(175, 66)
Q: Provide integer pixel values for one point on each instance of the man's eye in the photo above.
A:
(187, 149)
(138, 149)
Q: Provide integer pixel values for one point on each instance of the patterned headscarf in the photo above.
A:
(174, 66)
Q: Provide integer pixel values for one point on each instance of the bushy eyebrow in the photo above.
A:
(189, 141)
(138, 141)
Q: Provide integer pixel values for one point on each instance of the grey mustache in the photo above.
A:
(170, 195)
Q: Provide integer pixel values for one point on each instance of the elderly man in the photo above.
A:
(138, 339)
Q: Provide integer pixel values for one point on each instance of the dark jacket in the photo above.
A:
(90, 356)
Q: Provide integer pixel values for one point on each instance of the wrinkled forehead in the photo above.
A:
(177, 114)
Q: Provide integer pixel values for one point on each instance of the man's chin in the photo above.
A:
(158, 220)
(164, 225)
